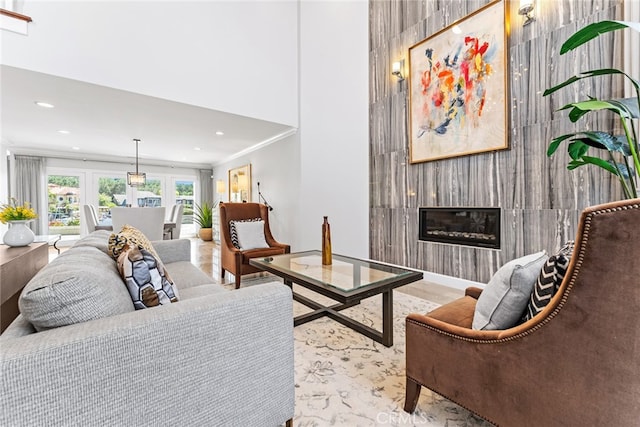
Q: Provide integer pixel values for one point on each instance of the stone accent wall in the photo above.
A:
(540, 199)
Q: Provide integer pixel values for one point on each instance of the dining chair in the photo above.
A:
(150, 221)
(90, 217)
(176, 218)
(168, 234)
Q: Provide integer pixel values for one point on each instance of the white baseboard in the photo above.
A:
(441, 279)
(452, 282)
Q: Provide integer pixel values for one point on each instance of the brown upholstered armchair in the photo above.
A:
(576, 363)
(234, 260)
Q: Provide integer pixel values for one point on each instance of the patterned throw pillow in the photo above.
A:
(128, 236)
(549, 280)
(146, 279)
(233, 232)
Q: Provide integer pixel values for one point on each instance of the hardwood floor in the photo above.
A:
(206, 255)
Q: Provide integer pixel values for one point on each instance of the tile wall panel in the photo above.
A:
(540, 199)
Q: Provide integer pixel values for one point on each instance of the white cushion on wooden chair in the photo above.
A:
(251, 234)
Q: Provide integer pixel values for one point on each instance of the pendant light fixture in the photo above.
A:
(136, 179)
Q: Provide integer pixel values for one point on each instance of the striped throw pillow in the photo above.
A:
(549, 280)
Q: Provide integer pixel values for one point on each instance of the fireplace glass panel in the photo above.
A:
(463, 226)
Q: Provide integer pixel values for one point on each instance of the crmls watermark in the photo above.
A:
(400, 419)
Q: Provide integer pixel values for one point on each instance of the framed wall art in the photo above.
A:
(458, 88)
(240, 184)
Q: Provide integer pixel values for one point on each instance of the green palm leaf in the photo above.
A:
(592, 31)
(588, 74)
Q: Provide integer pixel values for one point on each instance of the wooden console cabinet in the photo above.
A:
(17, 267)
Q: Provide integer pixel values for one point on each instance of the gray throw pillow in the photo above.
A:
(504, 299)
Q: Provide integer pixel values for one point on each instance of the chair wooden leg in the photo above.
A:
(289, 422)
(222, 271)
(412, 395)
(238, 281)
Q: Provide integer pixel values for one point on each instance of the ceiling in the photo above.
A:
(101, 123)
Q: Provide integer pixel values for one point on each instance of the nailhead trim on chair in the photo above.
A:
(446, 396)
(571, 282)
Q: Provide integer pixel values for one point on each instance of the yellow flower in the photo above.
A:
(14, 212)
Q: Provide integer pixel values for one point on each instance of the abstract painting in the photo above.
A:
(458, 88)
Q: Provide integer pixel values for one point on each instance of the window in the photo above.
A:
(112, 191)
(184, 190)
(150, 194)
(63, 204)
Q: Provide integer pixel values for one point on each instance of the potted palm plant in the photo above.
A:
(203, 215)
(620, 153)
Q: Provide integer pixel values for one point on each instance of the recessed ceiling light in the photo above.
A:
(44, 104)
(75, 148)
(66, 132)
(196, 148)
(219, 133)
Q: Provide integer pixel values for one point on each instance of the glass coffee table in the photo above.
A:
(347, 280)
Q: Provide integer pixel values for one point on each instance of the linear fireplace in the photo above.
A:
(462, 226)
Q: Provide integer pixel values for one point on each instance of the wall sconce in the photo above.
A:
(526, 9)
(136, 179)
(396, 69)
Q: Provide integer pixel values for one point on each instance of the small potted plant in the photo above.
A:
(203, 215)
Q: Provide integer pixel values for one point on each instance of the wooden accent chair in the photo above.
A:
(576, 363)
(234, 260)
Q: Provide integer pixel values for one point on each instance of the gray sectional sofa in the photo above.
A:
(215, 357)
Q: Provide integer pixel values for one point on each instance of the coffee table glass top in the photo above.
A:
(345, 273)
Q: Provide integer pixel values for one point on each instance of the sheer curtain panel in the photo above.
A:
(206, 185)
(30, 186)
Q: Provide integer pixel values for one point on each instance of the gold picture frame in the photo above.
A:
(458, 91)
(240, 184)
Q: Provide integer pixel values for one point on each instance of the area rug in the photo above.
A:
(346, 379)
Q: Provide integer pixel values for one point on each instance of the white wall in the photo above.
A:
(277, 168)
(234, 56)
(334, 125)
(324, 169)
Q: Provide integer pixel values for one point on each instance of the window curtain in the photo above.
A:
(30, 186)
(206, 185)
